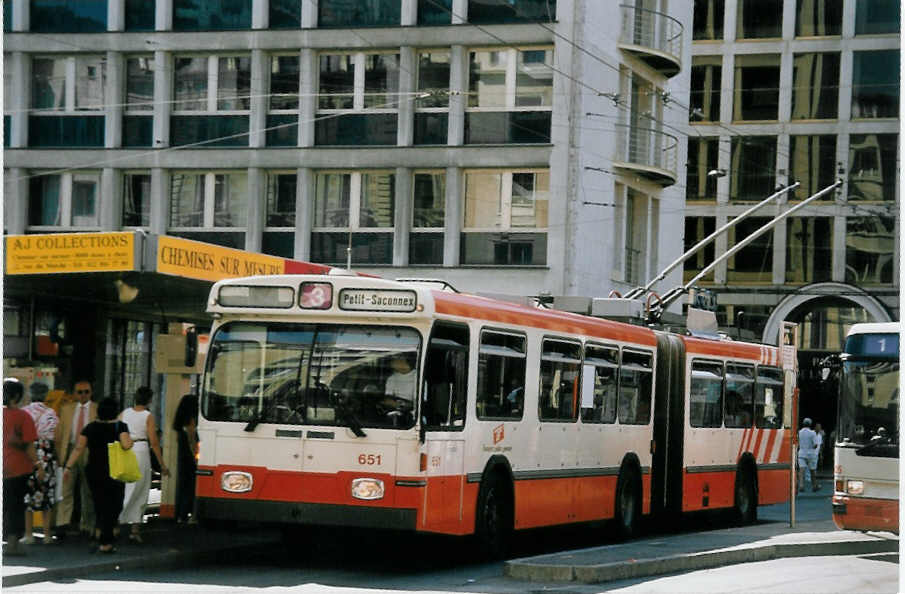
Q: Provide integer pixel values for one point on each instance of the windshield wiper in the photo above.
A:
(876, 444)
(349, 418)
(258, 416)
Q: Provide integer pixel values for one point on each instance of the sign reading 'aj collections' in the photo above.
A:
(70, 252)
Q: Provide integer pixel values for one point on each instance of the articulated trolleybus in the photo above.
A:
(866, 472)
(345, 400)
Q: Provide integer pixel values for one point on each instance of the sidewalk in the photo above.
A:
(166, 545)
(770, 538)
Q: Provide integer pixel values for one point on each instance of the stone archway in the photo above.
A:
(870, 304)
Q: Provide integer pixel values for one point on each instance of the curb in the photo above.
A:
(171, 559)
(636, 568)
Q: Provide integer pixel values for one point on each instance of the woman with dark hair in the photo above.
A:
(41, 494)
(106, 493)
(143, 431)
(185, 423)
(19, 459)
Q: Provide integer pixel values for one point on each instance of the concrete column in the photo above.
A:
(839, 230)
(727, 99)
(304, 206)
(783, 173)
(113, 114)
(260, 72)
(788, 20)
(849, 10)
(780, 239)
(254, 226)
(409, 10)
(110, 201)
(786, 69)
(160, 200)
(15, 203)
(163, 15)
(402, 216)
(407, 83)
(116, 15)
(260, 14)
(842, 144)
(459, 12)
(163, 93)
(21, 14)
(458, 87)
(729, 17)
(309, 14)
(455, 196)
(721, 246)
(20, 99)
(846, 72)
(308, 72)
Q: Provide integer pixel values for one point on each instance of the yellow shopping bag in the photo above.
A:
(123, 463)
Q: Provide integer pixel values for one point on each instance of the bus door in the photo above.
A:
(669, 421)
(443, 398)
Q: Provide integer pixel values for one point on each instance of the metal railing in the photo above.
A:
(652, 29)
(648, 147)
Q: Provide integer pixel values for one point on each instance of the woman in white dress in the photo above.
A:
(143, 431)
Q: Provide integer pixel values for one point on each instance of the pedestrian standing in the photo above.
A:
(106, 492)
(74, 417)
(807, 456)
(19, 460)
(41, 496)
(185, 423)
(143, 431)
(821, 442)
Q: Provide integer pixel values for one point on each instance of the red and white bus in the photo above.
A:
(511, 416)
(866, 472)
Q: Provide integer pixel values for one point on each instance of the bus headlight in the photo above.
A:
(236, 482)
(855, 487)
(367, 488)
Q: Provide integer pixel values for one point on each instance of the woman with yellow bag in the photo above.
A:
(106, 492)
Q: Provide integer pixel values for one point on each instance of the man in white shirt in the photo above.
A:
(807, 456)
(73, 418)
(401, 384)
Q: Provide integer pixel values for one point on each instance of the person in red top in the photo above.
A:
(19, 459)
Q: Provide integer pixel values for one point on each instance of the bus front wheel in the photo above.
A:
(494, 518)
(745, 497)
(628, 503)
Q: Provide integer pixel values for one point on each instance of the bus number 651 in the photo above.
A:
(369, 459)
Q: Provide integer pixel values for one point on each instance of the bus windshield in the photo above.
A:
(869, 405)
(312, 374)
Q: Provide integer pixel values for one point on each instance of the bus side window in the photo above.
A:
(705, 399)
(559, 377)
(739, 395)
(446, 377)
(605, 364)
(635, 387)
(768, 398)
(501, 372)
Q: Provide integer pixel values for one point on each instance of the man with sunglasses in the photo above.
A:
(74, 416)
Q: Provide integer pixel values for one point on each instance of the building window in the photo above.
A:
(809, 249)
(873, 166)
(67, 16)
(364, 113)
(434, 12)
(703, 155)
(8, 16)
(875, 84)
(211, 15)
(136, 199)
(212, 100)
(502, 363)
(209, 206)
(282, 115)
(279, 231)
(756, 87)
(753, 168)
(428, 218)
(505, 217)
(432, 113)
(753, 263)
(758, 19)
(354, 210)
(708, 20)
(877, 17)
(635, 235)
(510, 96)
(285, 14)
(138, 121)
(140, 15)
(818, 18)
(812, 162)
(560, 375)
(706, 81)
(696, 229)
(511, 11)
(870, 245)
(361, 13)
(65, 90)
(815, 86)
(66, 200)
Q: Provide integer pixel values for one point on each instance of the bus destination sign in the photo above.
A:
(377, 300)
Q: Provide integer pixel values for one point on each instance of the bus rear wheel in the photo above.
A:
(494, 522)
(628, 504)
(745, 497)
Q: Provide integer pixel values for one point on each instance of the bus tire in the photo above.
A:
(628, 503)
(494, 518)
(745, 496)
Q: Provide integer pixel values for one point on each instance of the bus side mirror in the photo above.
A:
(191, 347)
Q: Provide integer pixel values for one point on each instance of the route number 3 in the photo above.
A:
(369, 459)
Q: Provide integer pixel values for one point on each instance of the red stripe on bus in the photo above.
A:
(731, 350)
(757, 442)
(785, 450)
(865, 513)
(771, 441)
(741, 443)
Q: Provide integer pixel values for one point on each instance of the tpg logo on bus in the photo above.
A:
(377, 300)
(498, 434)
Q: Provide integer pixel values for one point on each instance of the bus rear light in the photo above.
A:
(423, 465)
(236, 482)
(367, 488)
(855, 487)
(316, 296)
